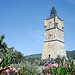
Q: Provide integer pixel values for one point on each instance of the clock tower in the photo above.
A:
(54, 38)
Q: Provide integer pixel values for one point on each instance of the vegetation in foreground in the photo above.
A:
(8, 57)
(61, 68)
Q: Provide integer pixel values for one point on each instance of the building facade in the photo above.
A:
(54, 37)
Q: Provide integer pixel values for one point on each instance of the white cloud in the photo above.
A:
(37, 35)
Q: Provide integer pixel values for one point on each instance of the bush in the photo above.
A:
(20, 69)
(36, 62)
(59, 69)
(28, 69)
(45, 62)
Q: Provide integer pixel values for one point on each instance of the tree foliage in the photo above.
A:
(71, 54)
(11, 55)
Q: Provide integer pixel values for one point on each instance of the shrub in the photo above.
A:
(59, 69)
(36, 62)
(28, 69)
(45, 62)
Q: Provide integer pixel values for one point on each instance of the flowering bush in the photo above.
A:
(51, 69)
(59, 69)
(16, 71)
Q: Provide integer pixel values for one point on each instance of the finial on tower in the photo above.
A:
(53, 12)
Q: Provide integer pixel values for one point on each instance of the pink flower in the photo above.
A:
(0, 60)
(23, 66)
(50, 64)
(19, 69)
(46, 67)
(15, 71)
(69, 66)
(53, 65)
(58, 70)
(7, 71)
(65, 65)
(47, 73)
(56, 65)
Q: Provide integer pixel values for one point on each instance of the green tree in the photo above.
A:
(14, 56)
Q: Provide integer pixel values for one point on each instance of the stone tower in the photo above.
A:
(54, 39)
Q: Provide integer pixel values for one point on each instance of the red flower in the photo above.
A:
(19, 69)
(23, 66)
(15, 71)
(7, 71)
(0, 60)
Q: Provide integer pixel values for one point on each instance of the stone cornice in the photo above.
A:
(53, 28)
(53, 41)
(54, 17)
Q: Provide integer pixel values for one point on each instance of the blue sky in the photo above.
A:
(22, 22)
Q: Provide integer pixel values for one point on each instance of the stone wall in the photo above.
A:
(53, 49)
(54, 39)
